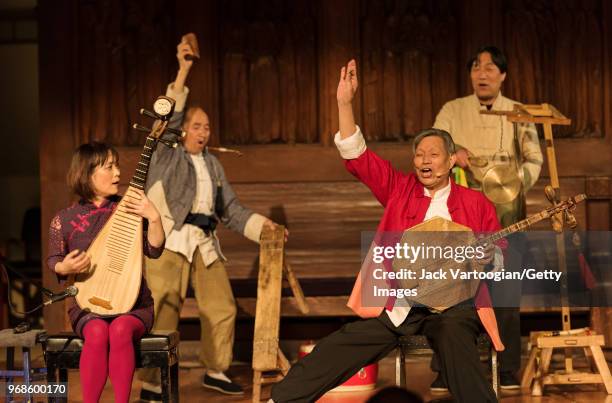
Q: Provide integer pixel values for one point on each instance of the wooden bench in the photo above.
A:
(155, 350)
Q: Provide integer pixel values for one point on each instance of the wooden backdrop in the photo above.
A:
(268, 77)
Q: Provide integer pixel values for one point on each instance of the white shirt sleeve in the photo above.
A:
(351, 147)
(179, 97)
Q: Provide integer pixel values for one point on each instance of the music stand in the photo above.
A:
(536, 374)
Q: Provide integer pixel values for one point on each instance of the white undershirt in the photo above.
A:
(437, 208)
(189, 237)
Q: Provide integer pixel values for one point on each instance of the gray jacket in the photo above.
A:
(171, 185)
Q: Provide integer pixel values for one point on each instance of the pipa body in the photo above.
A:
(438, 293)
(112, 284)
(442, 294)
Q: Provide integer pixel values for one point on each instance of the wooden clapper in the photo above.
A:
(537, 372)
(267, 356)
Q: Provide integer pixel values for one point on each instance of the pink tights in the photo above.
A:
(99, 361)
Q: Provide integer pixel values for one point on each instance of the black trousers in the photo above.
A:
(452, 334)
(506, 297)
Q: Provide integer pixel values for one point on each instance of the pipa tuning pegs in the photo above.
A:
(168, 143)
(178, 132)
(148, 113)
(140, 128)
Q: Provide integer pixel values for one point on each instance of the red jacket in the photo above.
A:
(402, 196)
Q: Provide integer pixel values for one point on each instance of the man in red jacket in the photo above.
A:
(408, 199)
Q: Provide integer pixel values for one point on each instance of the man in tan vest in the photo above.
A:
(484, 141)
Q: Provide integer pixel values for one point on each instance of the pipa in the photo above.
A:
(442, 294)
(112, 283)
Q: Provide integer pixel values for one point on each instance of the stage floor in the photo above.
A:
(419, 378)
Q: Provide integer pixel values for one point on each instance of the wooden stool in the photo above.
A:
(269, 363)
(10, 340)
(157, 350)
(418, 345)
(537, 372)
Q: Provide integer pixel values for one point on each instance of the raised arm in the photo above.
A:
(375, 172)
(182, 49)
(178, 90)
(347, 86)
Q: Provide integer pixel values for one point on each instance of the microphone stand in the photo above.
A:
(52, 297)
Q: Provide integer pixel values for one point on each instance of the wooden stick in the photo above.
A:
(296, 288)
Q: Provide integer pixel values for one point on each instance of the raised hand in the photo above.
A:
(75, 262)
(347, 86)
(183, 49)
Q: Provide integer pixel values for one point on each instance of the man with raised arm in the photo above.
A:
(408, 199)
(189, 186)
(483, 142)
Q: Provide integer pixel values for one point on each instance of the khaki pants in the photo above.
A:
(168, 278)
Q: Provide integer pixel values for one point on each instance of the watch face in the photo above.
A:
(162, 107)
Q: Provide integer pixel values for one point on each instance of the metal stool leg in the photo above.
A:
(400, 367)
(51, 373)
(10, 366)
(494, 372)
(398, 363)
(63, 377)
(10, 358)
(26, 372)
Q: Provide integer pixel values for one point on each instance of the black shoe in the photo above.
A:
(150, 396)
(438, 385)
(507, 381)
(229, 388)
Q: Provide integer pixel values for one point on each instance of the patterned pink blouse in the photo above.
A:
(76, 227)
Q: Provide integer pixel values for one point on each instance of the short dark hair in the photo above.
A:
(84, 162)
(497, 57)
(449, 144)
